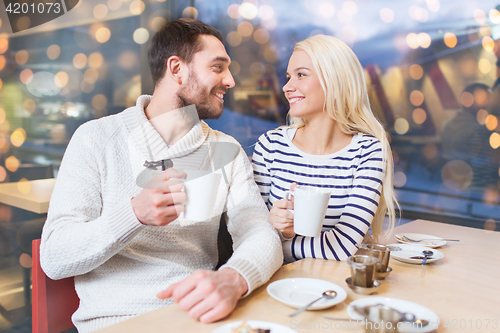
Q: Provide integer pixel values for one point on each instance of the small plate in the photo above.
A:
(297, 292)
(432, 241)
(275, 328)
(410, 250)
(419, 311)
(363, 290)
(383, 275)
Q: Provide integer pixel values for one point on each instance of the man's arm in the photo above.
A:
(79, 235)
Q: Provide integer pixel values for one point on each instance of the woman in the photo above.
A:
(334, 141)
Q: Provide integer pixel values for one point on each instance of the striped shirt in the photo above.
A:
(354, 174)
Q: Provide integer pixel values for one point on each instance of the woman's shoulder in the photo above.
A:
(367, 141)
(273, 136)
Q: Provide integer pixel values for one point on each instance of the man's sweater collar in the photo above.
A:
(149, 141)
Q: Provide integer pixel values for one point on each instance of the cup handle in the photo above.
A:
(288, 195)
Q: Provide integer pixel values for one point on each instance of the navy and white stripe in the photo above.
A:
(354, 174)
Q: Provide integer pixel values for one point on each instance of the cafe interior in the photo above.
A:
(433, 75)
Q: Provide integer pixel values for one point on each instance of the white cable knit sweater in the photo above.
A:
(120, 264)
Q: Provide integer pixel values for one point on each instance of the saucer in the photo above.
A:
(274, 327)
(363, 290)
(419, 311)
(297, 292)
(430, 241)
(411, 250)
(383, 275)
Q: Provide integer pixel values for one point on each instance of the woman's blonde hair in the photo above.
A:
(346, 101)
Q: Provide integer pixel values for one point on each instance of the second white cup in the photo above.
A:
(310, 204)
(201, 192)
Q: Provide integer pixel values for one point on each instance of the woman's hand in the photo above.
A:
(281, 217)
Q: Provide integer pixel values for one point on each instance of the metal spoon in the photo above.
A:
(329, 294)
(426, 253)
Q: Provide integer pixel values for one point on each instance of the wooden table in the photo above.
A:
(31, 195)
(462, 289)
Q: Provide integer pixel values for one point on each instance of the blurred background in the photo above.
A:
(431, 65)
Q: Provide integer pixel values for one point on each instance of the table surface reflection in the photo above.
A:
(33, 195)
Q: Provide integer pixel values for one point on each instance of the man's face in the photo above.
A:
(208, 79)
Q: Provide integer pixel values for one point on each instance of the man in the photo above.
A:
(117, 228)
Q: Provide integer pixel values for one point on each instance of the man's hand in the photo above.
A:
(281, 218)
(207, 295)
(160, 202)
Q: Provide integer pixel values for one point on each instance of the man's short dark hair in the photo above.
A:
(177, 38)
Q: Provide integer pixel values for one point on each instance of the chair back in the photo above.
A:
(54, 301)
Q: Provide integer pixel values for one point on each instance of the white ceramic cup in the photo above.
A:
(309, 209)
(201, 191)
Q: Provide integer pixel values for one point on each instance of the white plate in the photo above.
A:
(275, 328)
(297, 292)
(410, 250)
(419, 311)
(432, 241)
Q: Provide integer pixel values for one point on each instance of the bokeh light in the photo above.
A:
(233, 11)
(24, 186)
(261, 36)
(350, 8)
(3, 174)
(128, 60)
(99, 102)
(433, 5)
(2, 62)
(53, 51)
(416, 72)
(22, 57)
(484, 65)
(424, 40)
(257, 69)
(26, 76)
(23, 23)
(399, 179)
(18, 137)
(91, 75)
(467, 99)
(326, 10)
(479, 16)
(3, 115)
(416, 97)
(100, 11)
(137, 7)
(418, 13)
(248, 10)
(494, 16)
(4, 45)
(430, 151)
(190, 12)
(141, 36)
(235, 68)
(481, 116)
(102, 35)
(419, 116)
(12, 163)
(484, 30)
(491, 122)
(234, 38)
(25, 259)
(457, 175)
(156, 23)
(80, 60)
(96, 60)
(401, 126)
(114, 4)
(490, 225)
(450, 40)
(412, 40)
(266, 12)
(495, 140)
(29, 105)
(387, 15)
(61, 79)
(488, 44)
(245, 28)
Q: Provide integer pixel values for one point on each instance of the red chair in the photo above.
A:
(54, 301)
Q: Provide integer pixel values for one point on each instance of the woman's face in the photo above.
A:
(303, 89)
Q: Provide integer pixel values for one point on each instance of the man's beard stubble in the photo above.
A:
(193, 93)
